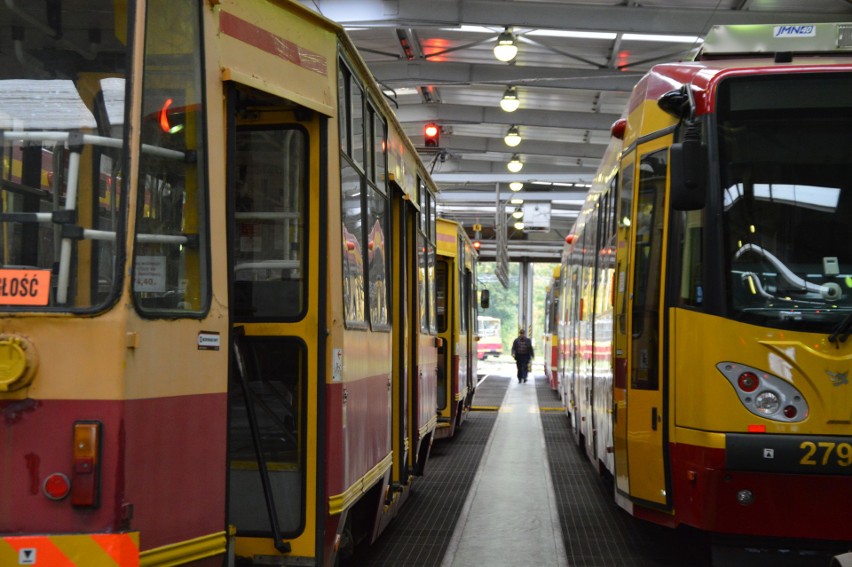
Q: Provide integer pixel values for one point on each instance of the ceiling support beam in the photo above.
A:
(462, 114)
(499, 14)
(462, 196)
(403, 73)
(470, 144)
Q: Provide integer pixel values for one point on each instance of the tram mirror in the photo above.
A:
(688, 167)
(484, 298)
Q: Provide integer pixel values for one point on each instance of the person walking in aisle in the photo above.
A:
(522, 352)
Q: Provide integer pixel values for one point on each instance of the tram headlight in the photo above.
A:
(767, 402)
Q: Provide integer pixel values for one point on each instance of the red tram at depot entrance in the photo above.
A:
(706, 299)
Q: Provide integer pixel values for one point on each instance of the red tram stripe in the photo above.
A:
(267, 41)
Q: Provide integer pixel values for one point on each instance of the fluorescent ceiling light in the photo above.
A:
(470, 29)
(662, 38)
(573, 34)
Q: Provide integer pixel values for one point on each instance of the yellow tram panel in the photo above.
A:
(308, 52)
(801, 359)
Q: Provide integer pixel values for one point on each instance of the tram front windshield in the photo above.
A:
(786, 181)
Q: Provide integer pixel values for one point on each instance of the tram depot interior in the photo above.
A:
(575, 65)
(510, 104)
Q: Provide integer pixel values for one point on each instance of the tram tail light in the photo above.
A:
(56, 486)
(86, 465)
(748, 382)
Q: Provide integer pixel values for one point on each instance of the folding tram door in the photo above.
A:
(273, 148)
(404, 219)
(641, 435)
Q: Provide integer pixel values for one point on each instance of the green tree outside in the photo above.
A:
(504, 301)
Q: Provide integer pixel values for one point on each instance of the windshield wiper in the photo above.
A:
(841, 332)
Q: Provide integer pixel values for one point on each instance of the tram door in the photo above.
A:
(405, 340)
(646, 419)
(467, 306)
(270, 256)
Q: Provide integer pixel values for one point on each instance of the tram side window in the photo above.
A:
(379, 148)
(269, 245)
(624, 214)
(432, 230)
(464, 287)
(426, 260)
(421, 282)
(442, 293)
(378, 211)
(464, 301)
(606, 267)
(648, 258)
(364, 207)
(691, 226)
(548, 311)
(377, 257)
(170, 264)
(352, 245)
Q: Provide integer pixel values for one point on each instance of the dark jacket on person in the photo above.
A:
(522, 348)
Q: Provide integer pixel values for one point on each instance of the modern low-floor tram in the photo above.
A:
(707, 291)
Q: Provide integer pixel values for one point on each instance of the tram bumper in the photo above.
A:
(757, 485)
(80, 550)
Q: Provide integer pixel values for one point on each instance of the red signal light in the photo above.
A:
(431, 134)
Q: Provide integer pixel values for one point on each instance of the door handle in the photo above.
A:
(654, 419)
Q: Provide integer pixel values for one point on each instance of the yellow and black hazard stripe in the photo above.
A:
(94, 550)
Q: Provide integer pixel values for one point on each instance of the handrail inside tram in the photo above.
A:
(75, 140)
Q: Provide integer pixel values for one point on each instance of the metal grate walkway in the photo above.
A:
(421, 534)
(595, 532)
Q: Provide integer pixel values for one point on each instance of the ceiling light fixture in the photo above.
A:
(518, 213)
(513, 137)
(510, 101)
(515, 164)
(516, 186)
(506, 49)
(520, 225)
(519, 201)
